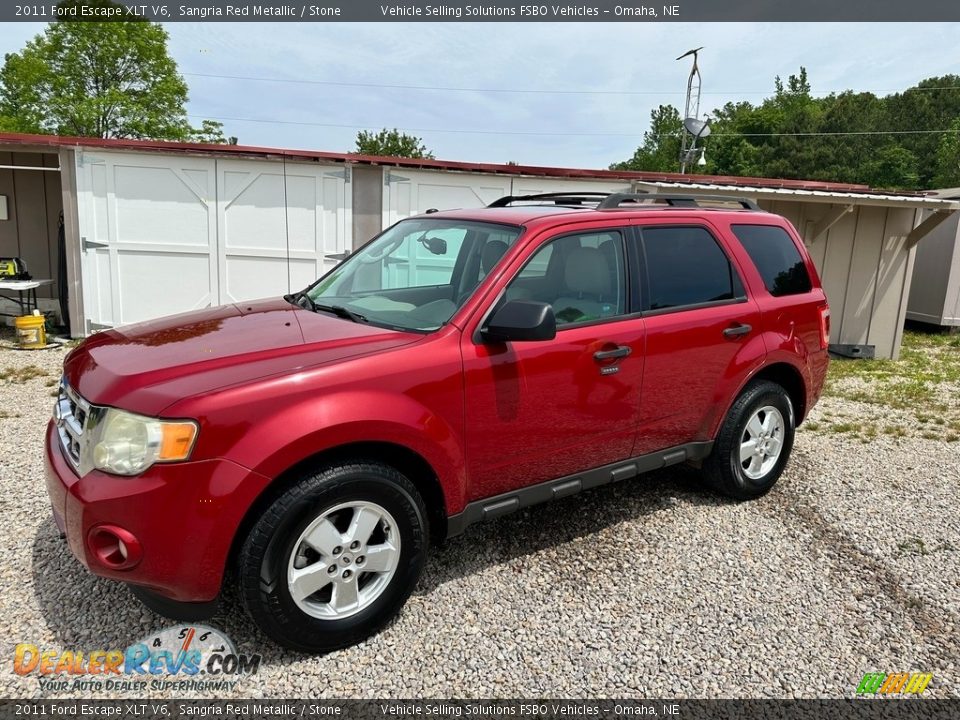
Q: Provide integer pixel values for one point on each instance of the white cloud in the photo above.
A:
(739, 62)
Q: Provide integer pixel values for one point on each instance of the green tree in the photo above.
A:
(897, 141)
(948, 158)
(95, 79)
(393, 143)
(660, 151)
(891, 166)
(933, 105)
(21, 104)
(211, 132)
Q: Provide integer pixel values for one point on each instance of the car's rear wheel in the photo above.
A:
(334, 558)
(754, 443)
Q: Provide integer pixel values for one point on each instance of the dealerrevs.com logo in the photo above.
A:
(178, 658)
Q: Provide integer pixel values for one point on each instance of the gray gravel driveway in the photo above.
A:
(649, 588)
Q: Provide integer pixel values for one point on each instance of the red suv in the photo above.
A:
(458, 367)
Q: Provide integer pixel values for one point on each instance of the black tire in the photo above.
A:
(265, 554)
(723, 470)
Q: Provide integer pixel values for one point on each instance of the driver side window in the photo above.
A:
(581, 276)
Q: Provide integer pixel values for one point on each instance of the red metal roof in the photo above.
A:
(317, 155)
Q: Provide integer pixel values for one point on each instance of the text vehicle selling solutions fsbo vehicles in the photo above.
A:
(459, 366)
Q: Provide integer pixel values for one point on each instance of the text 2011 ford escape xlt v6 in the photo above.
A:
(461, 365)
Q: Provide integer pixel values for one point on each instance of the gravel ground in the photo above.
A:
(648, 588)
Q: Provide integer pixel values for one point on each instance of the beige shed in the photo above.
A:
(935, 291)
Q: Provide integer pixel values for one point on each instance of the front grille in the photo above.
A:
(72, 416)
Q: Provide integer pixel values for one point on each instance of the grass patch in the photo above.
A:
(843, 427)
(22, 374)
(6, 415)
(922, 382)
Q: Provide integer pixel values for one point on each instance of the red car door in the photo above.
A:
(703, 333)
(541, 410)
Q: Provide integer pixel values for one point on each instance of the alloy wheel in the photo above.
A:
(344, 560)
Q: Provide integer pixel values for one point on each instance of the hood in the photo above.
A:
(147, 366)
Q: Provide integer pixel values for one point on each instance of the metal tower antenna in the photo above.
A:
(688, 144)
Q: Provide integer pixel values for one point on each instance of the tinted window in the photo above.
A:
(581, 276)
(776, 257)
(685, 266)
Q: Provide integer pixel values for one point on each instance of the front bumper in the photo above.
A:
(184, 517)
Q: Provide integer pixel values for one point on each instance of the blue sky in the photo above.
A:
(541, 128)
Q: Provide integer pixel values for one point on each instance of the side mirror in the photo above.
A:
(521, 320)
(437, 246)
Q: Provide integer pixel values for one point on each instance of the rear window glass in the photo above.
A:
(685, 266)
(776, 257)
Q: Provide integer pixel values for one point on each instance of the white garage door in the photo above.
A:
(163, 234)
(281, 226)
(148, 236)
(534, 185)
(413, 192)
(408, 193)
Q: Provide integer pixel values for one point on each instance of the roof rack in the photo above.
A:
(611, 201)
(615, 200)
(557, 198)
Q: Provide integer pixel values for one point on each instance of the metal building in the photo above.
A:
(935, 290)
(152, 228)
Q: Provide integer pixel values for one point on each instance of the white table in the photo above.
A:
(26, 291)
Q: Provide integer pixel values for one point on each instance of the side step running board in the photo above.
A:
(506, 503)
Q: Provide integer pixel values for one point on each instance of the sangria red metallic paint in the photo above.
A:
(271, 385)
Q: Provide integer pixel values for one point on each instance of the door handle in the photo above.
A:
(737, 330)
(618, 352)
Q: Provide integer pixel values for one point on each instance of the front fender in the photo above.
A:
(253, 428)
(281, 441)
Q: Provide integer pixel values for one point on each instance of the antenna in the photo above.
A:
(695, 128)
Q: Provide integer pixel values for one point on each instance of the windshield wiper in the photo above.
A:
(339, 311)
(301, 299)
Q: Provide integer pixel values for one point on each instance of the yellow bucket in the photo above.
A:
(31, 334)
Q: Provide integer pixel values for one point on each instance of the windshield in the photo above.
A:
(415, 275)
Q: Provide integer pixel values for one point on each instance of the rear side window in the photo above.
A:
(686, 266)
(776, 257)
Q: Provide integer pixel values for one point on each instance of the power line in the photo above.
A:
(532, 91)
(828, 134)
(460, 131)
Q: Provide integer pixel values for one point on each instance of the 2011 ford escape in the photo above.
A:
(461, 365)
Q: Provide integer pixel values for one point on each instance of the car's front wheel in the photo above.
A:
(334, 558)
(754, 443)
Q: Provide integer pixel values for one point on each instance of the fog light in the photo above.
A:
(113, 547)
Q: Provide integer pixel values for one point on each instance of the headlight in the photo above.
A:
(128, 444)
